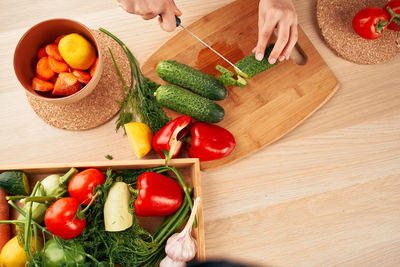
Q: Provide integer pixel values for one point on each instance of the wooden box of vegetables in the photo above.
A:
(131, 213)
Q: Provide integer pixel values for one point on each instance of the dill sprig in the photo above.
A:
(138, 98)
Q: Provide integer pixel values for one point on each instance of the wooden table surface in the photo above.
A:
(326, 194)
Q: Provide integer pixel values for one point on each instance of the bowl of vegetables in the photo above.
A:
(58, 60)
(140, 213)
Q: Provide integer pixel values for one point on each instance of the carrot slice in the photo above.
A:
(93, 68)
(52, 51)
(58, 66)
(59, 38)
(54, 78)
(43, 69)
(83, 76)
(42, 52)
(66, 84)
(42, 86)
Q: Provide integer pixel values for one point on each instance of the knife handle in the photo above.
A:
(178, 20)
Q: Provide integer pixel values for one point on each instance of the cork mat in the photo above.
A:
(334, 20)
(98, 107)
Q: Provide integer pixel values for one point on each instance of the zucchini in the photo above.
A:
(116, 208)
(185, 76)
(188, 103)
(15, 182)
(251, 66)
(52, 186)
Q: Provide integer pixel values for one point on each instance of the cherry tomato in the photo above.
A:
(395, 6)
(368, 22)
(61, 220)
(83, 183)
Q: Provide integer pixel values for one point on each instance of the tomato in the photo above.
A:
(61, 219)
(395, 6)
(83, 183)
(369, 22)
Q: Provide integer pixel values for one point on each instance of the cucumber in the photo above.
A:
(185, 76)
(15, 182)
(224, 71)
(226, 80)
(251, 66)
(241, 82)
(188, 103)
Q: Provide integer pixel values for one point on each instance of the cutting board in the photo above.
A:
(274, 102)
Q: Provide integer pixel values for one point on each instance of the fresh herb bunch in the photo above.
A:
(138, 98)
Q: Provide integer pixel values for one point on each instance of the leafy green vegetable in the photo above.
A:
(138, 99)
(109, 157)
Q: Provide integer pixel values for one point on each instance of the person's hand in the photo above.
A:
(278, 14)
(150, 9)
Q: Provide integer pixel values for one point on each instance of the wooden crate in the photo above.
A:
(190, 169)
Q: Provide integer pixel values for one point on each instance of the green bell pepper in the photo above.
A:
(55, 255)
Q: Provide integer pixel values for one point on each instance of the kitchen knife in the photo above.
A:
(179, 24)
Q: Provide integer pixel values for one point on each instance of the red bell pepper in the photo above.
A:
(167, 140)
(157, 195)
(210, 142)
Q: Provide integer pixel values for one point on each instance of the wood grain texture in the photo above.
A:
(277, 207)
(274, 102)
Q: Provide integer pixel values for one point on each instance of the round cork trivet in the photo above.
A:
(334, 20)
(99, 106)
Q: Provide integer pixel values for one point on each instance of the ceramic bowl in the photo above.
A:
(41, 34)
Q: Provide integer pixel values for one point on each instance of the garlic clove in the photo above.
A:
(168, 262)
(182, 246)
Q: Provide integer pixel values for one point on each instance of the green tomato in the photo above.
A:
(56, 256)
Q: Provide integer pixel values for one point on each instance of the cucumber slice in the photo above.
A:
(15, 182)
(251, 66)
(226, 80)
(224, 71)
(241, 82)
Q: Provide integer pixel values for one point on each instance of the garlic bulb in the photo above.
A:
(168, 262)
(182, 247)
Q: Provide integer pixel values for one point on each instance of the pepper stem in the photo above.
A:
(167, 155)
(134, 191)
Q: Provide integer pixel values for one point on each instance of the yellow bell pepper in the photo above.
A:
(13, 255)
(140, 136)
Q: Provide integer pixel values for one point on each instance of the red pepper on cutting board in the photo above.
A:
(167, 140)
(157, 195)
(210, 142)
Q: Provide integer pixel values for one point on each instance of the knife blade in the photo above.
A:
(179, 24)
